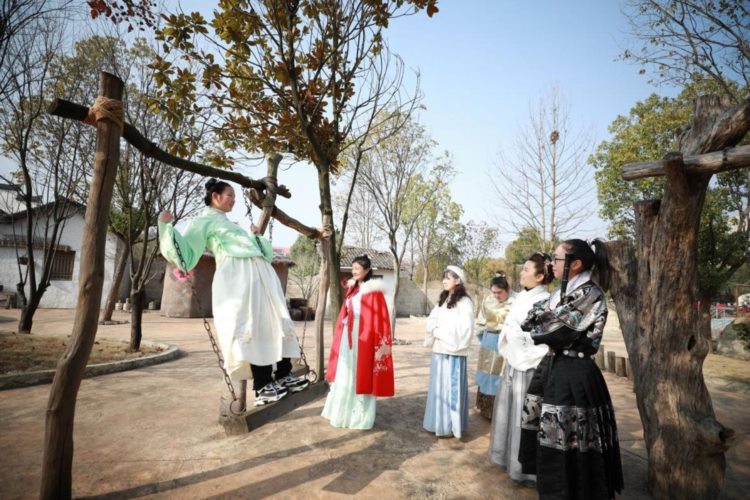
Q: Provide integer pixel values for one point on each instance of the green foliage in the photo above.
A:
(305, 256)
(652, 129)
(526, 243)
(480, 243)
(287, 72)
(742, 330)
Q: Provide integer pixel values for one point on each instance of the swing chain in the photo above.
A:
(310, 374)
(207, 327)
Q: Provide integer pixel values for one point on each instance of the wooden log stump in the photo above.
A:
(628, 369)
(599, 358)
(611, 361)
(620, 368)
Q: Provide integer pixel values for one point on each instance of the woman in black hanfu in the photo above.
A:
(569, 435)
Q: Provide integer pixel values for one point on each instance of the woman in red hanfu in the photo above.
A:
(360, 366)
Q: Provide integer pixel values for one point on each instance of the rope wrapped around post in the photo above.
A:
(106, 108)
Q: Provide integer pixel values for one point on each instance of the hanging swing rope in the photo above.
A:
(209, 332)
(309, 374)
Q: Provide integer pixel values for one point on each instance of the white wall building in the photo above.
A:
(63, 289)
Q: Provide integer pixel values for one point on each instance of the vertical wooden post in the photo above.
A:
(272, 162)
(58, 439)
(324, 278)
(599, 358)
(611, 361)
(620, 367)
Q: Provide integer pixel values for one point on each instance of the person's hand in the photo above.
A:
(254, 229)
(166, 217)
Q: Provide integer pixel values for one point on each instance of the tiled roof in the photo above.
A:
(380, 260)
(282, 258)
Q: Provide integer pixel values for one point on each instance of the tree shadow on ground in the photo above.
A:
(180, 482)
(397, 437)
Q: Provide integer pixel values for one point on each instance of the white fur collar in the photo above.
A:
(373, 285)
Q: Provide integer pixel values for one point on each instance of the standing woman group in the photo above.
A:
(553, 422)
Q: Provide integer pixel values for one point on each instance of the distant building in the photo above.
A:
(411, 300)
(63, 289)
(177, 299)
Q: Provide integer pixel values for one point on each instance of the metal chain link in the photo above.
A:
(310, 374)
(207, 327)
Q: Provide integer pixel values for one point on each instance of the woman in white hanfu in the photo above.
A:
(450, 328)
(521, 358)
(252, 320)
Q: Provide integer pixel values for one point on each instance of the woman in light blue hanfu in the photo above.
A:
(449, 331)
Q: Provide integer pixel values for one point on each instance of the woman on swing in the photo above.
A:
(252, 321)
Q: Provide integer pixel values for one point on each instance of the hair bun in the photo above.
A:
(211, 183)
(501, 274)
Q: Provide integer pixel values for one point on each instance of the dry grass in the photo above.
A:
(22, 353)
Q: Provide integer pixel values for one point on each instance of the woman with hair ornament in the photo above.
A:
(449, 331)
(569, 434)
(521, 358)
(489, 321)
(249, 309)
(360, 365)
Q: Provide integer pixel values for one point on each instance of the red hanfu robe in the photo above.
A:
(374, 357)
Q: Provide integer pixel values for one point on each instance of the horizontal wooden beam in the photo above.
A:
(73, 111)
(708, 163)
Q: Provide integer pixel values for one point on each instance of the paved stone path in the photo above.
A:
(153, 433)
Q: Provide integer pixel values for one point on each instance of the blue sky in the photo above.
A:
(482, 64)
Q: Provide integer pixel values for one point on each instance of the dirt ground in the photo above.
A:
(32, 352)
(153, 433)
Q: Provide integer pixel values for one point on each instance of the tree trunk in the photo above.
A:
(662, 325)
(333, 257)
(136, 319)
(27, 313)
(58, 439)
(109, 307)
(320, 309)
(704, 312)
(397, 277)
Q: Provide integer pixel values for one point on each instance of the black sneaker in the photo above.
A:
(294, 384)
(271, 393)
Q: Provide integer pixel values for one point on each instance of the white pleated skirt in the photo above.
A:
(505, 437)
(344, 407)
(250, 314)
(447, 409)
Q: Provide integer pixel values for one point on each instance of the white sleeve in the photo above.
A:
(457, 336)
(432, 321)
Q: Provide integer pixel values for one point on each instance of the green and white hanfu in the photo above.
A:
(249, 309)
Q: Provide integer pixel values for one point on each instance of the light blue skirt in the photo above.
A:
(490, 364)
(447, 410)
